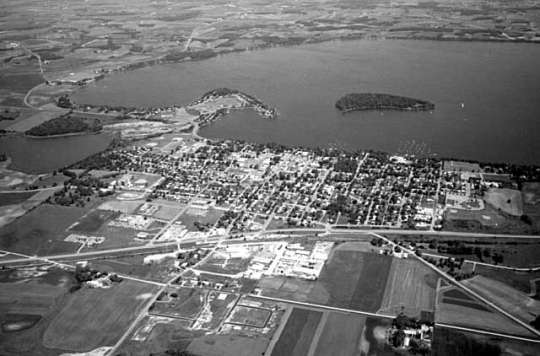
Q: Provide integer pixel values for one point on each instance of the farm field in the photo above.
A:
(225, 344)
(41, 231)
(520, 280)
(448, 342)
(373, 339)
(466, 312)
(508, 200)
(353, 280)
(25, 301)
(510, 299)
(296, 337)
(340, 335)
(411, 288)
(96, 317)
(15, 198)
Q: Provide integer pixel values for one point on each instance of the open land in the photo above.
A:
(298, 334)
(90, 311)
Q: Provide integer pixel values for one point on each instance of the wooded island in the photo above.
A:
(370, 101)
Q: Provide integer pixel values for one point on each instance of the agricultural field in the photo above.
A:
(29, 300)
(97, 317)
(15, 198)
(340, 335)
(507, 200)
(519, 280)
(509, 299)
(23, 125)
(297, 336)
(20, 83)
(456, 308)
(448, 342)
(41, 231)
(354, 280)
(411, 288)
(373, 340)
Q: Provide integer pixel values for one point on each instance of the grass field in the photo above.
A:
(166, 213)
(210, 216)
(124, 206)
(471, 316)
(97, 317)
(520, 280)
(115, 236)
(41, 231)
(188, 303)
(531, 202)
(28, 298)
(249, 316)
(217, 306)
(340, 335)
(134, 266)
(34, 120)
(509, 299)
(410, 285)
(227, 266)
(508, 200)
(296, 337)
(94, 220)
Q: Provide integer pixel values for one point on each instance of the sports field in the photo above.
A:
(411, 286)
(296, 338)
(97, 317)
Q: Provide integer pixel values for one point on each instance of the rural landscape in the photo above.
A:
(124, 231)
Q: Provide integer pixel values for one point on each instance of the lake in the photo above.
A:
(486, 96)
(42, 155)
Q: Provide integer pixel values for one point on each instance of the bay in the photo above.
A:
(486, 95)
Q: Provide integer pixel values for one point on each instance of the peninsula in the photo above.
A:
(370, 101)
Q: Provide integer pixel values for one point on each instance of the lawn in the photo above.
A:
(296, 337)
(410, 285)
(97, 317)
(340, 335)
(41, 231)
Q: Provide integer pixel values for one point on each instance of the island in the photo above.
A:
(370, 101)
